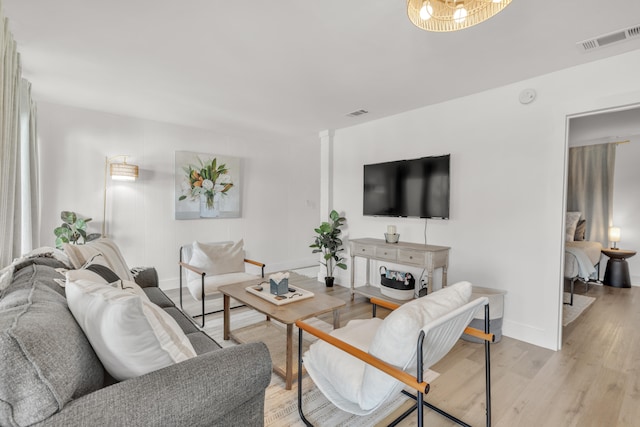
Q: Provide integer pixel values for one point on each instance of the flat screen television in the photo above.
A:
(408, 188)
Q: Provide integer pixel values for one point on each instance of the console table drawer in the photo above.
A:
(411, 257)
(363, 250)
(386, 253)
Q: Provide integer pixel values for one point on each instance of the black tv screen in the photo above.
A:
(410, 188)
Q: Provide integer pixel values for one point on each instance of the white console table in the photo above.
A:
(428, 257)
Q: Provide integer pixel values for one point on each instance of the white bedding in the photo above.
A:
(580, 259)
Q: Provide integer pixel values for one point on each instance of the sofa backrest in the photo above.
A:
(47, 360)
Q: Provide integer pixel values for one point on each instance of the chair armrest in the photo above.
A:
(203, 273)
(192, 268)
(385, 367)
(197, 392)
(479, 334)
(259, 264)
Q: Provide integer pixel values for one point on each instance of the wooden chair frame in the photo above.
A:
(417, 383)
(203, 274)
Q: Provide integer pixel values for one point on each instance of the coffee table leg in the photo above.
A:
(227, 306)
(336, 319)
(289, 358)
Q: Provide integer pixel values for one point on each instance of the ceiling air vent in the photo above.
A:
(607, 39)
(357, 113)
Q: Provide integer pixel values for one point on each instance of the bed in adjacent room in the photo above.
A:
(581, 257)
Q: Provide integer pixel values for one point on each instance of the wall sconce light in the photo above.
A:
(120, 172)
(614, 236)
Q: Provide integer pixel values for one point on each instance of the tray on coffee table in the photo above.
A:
(263, 292)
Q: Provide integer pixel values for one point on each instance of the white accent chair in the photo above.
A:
(207, 266)
(360, 366)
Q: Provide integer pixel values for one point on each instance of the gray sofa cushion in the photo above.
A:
(45, 359)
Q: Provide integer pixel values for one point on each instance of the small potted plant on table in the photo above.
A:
(328, 242)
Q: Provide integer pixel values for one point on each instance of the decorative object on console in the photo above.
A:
(391, 238)
(73, 230)
(207, 188)
(119, 172)
(614, 236)
(328, 242)
(452, 15)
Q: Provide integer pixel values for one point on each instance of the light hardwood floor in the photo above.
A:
(593, 381)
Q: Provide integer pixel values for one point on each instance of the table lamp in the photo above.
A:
(614, 236)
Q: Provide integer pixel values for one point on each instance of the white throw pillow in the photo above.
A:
(571, 222)
(130, 335)
(80, 254)
(217, 259)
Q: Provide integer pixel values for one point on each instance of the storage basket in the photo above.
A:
(396, 284)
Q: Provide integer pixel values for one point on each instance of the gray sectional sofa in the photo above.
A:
(50, 375)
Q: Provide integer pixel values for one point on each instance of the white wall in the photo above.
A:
(507, 184)
(280, 189)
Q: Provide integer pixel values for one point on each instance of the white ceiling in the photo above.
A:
(290, 68)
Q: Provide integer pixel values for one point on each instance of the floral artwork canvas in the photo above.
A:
(207, 186)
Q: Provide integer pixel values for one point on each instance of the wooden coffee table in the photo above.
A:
(287, 314)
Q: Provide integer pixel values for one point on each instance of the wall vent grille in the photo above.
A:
(607, 39)
(357, 113)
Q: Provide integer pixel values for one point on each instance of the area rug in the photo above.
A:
(242, 317)
(571, 312)
(281, 406)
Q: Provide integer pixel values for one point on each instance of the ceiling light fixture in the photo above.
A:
(452, 15)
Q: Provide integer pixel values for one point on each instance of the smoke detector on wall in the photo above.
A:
(527, 96)
(607, 39)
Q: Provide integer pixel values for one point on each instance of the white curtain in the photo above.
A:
(19, 189)
(590, 188)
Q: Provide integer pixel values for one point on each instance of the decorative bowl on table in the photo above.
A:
(391, 238)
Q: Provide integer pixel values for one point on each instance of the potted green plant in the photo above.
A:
(328, 242)
(73, 230)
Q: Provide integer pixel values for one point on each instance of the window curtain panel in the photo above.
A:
(590, 188)
(19, 189)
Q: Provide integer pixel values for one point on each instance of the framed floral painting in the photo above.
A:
(207, 186)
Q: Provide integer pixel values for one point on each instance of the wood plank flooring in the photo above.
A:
(593, 381)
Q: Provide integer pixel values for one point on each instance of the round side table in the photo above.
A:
(617, 272)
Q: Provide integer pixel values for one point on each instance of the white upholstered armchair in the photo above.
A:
(360, 366)
(207, 266)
